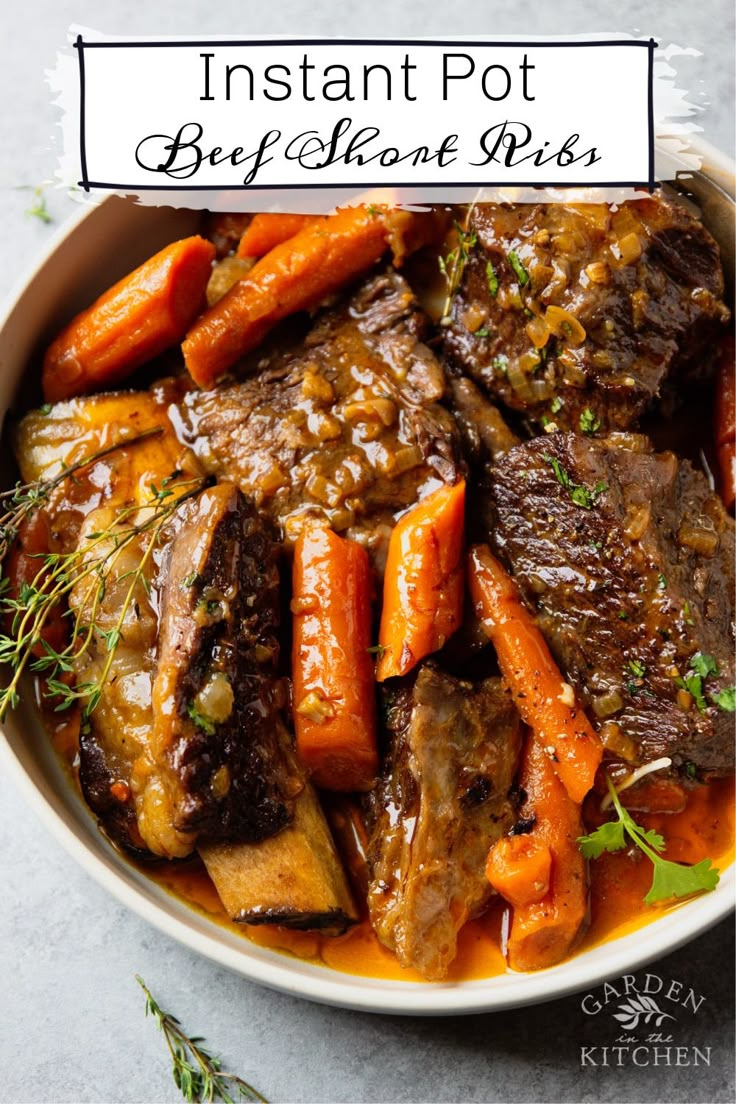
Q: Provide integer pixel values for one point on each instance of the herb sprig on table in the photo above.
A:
(197, 1073)
(670, 879)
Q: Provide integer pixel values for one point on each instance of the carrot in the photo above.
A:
(519, 869)
(294, 276)
(543, 931)
(139, 317)
(334, 690)
(423, 583)
(544, 700)
(268, 230)
(725, 421)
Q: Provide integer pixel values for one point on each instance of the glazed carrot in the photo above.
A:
(544, 700)
(543, 931)
(145, 313)
(726, 421)
(268, 230)
(423, 582)
(294, 276)
(332, 670)
(519, 869)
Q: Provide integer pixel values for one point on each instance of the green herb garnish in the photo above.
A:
(661, 582)
(198, 1075)
(585, 497)
(38, 208)
(482, 332)
(190, 580)
(556, 405)
(725, 699)
(589, 421)
(701, 666)
(637, 668)
(204, 724)
(492, 279)
(670, 879)
(500, 364)
(521, 273)
(453, 265)
(83, 574)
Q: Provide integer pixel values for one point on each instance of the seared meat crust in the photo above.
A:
(442, 801)
(627, 591)
(346, 425)
(642, 286)
(221, 766)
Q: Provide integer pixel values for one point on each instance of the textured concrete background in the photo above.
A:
(72, 1018)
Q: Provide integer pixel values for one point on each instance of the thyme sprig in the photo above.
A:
(198, 1075)
(81, 579)
(23, 499)
(453, 264)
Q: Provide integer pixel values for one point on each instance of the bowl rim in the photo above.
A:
(287, 974)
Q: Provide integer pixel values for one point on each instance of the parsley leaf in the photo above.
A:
(669, 879)
(492, 279)
(203, 723)
(589, 421)
(704, 665)
(609, 837)
(637, 668)
(725, 699)
(581, 496)
(556, 405)
(521, 273)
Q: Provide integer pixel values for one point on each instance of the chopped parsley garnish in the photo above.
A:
(670, 879)
(623, 615)
(521, 273)
(45, 409)
(203, 723)
(637, 668)
(556, 404)
(686, 613)
(482, 332)
(701, 666)
(690, 771)
(589, 421)
(500, 364)
(492, 279)
(725, 699)
(585, 497)
(661, 582)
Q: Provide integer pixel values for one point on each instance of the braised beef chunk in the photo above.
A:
(347, 425)
(566, 308)
(483, 431)
(442, 801)
(627, 557)
(221, 764)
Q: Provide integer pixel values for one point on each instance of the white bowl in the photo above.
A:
(89, 252)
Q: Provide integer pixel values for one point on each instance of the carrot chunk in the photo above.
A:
(268, 230)
(519, 869)
(544, 700)
(294, 276)
(423, 583)
(543, 930)
(334, 688)
(145, 313)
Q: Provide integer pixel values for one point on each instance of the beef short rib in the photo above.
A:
(627, 557)
(565, 308)
(442, 801)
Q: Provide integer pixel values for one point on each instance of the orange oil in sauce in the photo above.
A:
(619, 883)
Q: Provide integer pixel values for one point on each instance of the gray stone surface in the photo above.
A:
(72, 1021)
